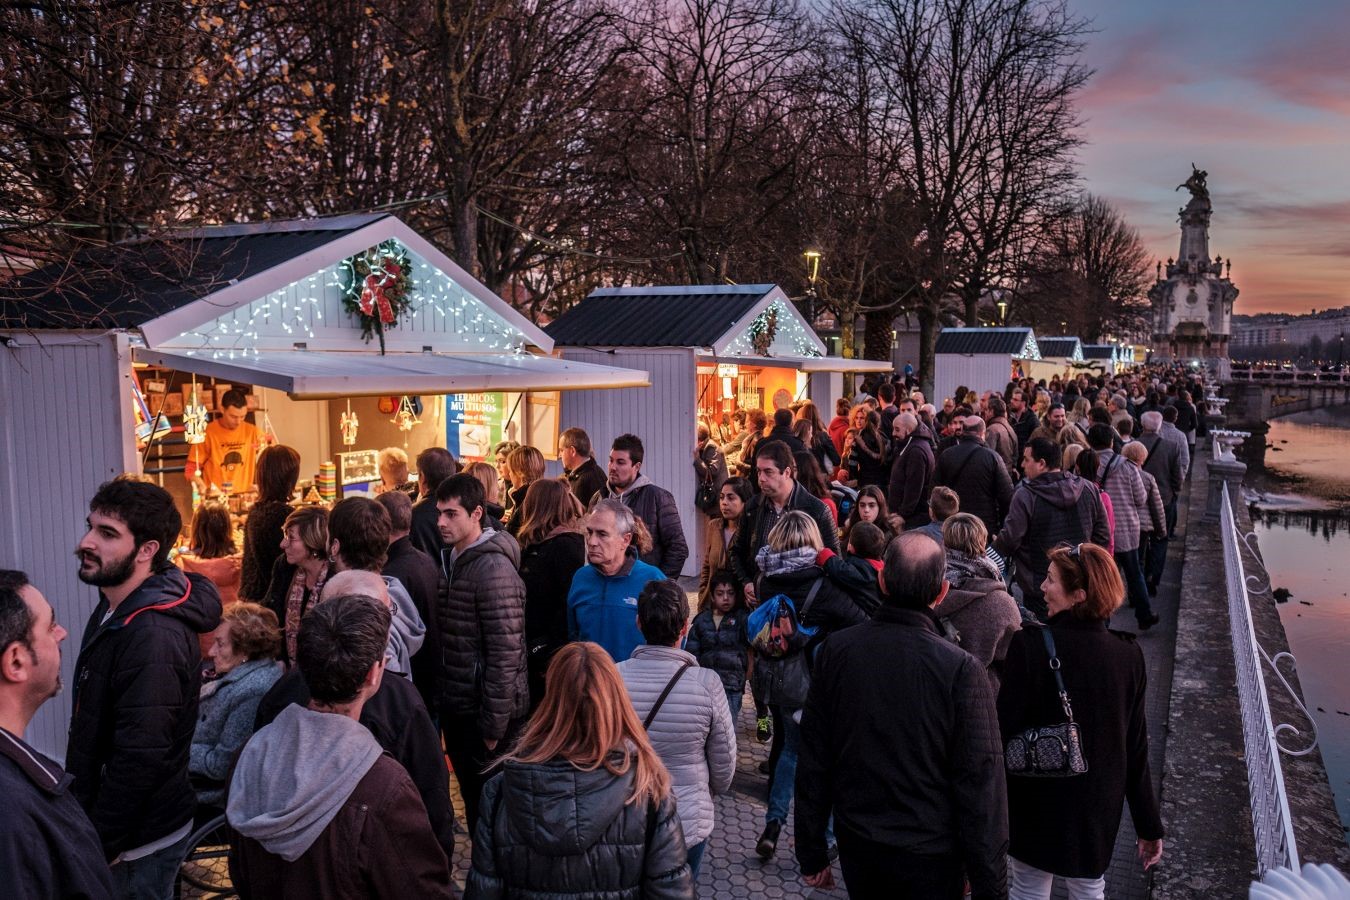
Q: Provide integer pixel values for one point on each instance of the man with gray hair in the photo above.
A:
(913, 778)
(603, 600)
(977, 474)
(1163, 462)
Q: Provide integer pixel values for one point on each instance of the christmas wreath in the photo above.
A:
(376, 287)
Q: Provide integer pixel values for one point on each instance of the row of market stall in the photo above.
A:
(346, 335)
(988, 358)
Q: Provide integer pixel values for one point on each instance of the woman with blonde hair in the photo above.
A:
(552, 549)
(978, 611)
(393, 467)
(1075, 662)
(525, 464)
(582, 806)
(787, 566)
(493, 511)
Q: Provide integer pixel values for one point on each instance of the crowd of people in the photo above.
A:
(909, 594)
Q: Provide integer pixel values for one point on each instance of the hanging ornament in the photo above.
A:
(194, 419)
(406, 417)
(148, 427)
(347, 424)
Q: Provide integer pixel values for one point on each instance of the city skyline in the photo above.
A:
(1249, 92)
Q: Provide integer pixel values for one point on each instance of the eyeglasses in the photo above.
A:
(1074, 551)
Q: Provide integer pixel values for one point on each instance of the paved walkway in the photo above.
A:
(732, 871)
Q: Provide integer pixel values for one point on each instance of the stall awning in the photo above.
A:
(323, 374)
(802, 363)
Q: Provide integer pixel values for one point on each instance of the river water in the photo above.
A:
(1301, 515)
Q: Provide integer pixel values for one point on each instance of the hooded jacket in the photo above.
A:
(406, 630)
(482, 622)
(1129, 497)
(137, 679)
(692, 732)
(322, 811)
(981, 610)
(656, 508)
(550, 831)
(912, 466)
(1046, 511)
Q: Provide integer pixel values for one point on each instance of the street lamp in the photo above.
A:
(812, 272)
(1002, 311)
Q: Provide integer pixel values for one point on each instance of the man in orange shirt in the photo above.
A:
(224, 463)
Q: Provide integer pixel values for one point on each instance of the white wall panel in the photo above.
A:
(662, 415)
(984, 372)
(64, 430)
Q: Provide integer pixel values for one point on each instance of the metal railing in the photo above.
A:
(1307, 376)
(1272, 823)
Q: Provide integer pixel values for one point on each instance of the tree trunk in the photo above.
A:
(972, 303)
(846, 337)
(877, 335)
(464, 228)
(928, 332)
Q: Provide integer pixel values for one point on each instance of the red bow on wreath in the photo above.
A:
(373, 295)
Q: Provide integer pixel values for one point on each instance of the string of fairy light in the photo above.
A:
(789, 328)
(298, 308)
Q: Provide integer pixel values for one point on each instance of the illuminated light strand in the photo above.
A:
(789, 329)
(233, 338)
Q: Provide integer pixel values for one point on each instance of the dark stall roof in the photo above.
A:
(128, 284)
(677, 316)
(1057, 346)
(1099, 351)
(970, 341)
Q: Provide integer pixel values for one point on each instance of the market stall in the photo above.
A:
(344, 335)
(710, 350)
(1062, 356)
(1106, 357)
(981, 359)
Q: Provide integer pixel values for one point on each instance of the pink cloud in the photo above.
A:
(1307, 67)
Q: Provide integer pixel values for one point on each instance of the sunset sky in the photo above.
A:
(1258, 94)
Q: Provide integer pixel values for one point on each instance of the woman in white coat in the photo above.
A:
(684, 709)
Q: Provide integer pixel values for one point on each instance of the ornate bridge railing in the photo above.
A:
(1272, 823)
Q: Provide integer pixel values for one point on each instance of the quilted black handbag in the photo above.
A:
(1052, 751)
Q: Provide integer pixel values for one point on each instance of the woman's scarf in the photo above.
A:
(961, 568)
(780, 563)
(295, 601)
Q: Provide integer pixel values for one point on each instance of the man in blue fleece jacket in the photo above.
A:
(602, 604)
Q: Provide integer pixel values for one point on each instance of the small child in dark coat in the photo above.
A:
(857, 572)
(717, 637)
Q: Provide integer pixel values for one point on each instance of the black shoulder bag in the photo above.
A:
(670, 686)
(1054, 751)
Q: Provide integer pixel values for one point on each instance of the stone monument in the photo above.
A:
(1192, 300)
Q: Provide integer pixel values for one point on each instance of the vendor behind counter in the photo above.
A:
(225, 461)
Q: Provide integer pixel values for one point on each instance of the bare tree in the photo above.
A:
(1090, 274)
(982, 91)
(517, 80)
(716, 105)
(122, 119)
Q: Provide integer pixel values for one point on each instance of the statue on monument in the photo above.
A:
(1196, 183)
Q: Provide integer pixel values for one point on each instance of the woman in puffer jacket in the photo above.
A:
(787, 565)
(977, 613)
(581, 790)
